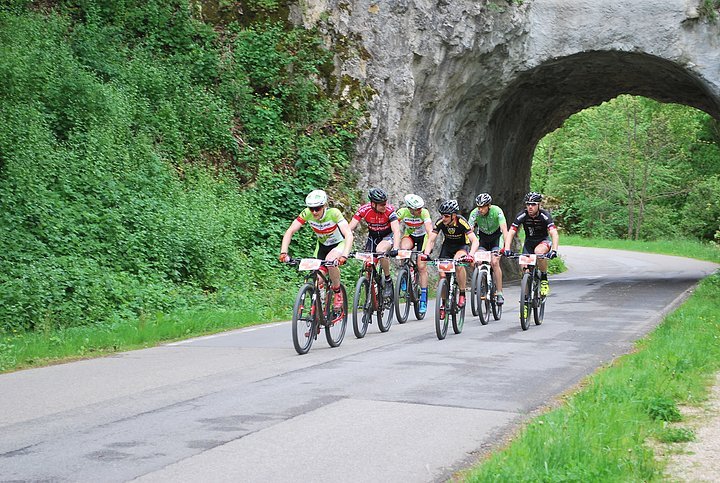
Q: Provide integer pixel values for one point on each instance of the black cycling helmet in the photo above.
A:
(449, 207)
(533, 197)
(377, 195)
(483, 199)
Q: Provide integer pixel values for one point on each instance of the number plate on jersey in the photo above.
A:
(309, 264)
(481, 257)
(527, 259)
(446, 266)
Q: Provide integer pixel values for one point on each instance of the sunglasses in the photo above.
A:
(531, 204)
(315, 209)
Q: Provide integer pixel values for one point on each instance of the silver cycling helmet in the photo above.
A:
(414, 202)
(316, 198)
(483, 199)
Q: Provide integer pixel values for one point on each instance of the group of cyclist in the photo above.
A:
(411, 228)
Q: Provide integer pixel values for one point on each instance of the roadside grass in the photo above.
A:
(605, 431)
(678, 247)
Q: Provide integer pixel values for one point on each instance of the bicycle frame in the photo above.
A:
(369, 298)
(448, 292)
(530, 297)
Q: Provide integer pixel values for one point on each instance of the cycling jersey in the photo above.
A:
(414, 225)
(327, 228)
(456, 234)
(488, 224)
(378, 223)
(536, 228)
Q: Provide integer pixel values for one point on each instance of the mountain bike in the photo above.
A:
(530, 298)
(448, 294)
(313, 307)
(484, 295)
(407, 286)
(369, 299)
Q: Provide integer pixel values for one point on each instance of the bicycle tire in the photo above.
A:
(386, 309)
(403, 299)
(538, 303)
(458, 313)
(441, 313)
(474, 293)
(362, 307)
(525, 294)
(335, 329)
(418, 293)
(484, 297)
(304, 321)
(496, 309)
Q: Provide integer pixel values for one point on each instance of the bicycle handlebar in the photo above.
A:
(323, 263)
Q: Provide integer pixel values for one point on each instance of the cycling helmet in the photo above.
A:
(449, 207)
(414, 202)
(377, 195)
(316, 198)
(533, 197)
(483, 199)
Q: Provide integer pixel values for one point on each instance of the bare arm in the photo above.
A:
(431, 242)
(294, 227)
(347, 233)
(397, 235)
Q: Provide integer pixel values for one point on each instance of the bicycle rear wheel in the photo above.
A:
(538, 303)
(386, 309)
(362, 307)
(474, 292)
(403, 298)
(483, 297)
(441, 309)
(337, 324)
(304, 320)
(458, 313)
(525, 302)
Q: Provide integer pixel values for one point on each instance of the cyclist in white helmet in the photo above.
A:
(334, 237)
(489, 224)
(418, 224)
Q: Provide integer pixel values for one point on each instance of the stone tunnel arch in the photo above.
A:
(542, 98)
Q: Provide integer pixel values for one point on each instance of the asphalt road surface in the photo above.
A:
(399, 406)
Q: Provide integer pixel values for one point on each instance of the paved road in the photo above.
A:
(399, 406)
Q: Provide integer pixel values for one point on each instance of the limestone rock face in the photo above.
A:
(464, 89)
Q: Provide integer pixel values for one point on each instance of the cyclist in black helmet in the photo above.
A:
(488, 222)
(383, 229)
(459, 241)
(541, 236)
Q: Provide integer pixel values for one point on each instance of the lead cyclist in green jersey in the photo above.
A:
(488, 222)
(334, 237)
(416, 219)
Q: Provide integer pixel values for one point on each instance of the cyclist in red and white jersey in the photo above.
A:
(383, 229)
(333, 233)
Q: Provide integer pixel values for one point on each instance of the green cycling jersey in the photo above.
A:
(327, 228)
(488, 224)
(414, 225)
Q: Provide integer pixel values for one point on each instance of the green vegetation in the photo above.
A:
(148, 159)
(633, 168)
(604, 431)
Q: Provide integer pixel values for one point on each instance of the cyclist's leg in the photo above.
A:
(419, 243)
(541, 249)
(459, 270)
(385, 245)
(333, 253)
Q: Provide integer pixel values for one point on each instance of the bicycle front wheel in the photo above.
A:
(496, 309)
(441, 308)
(386, 309)
(474, 294)
(538, 303)
(458, 312)
(337, 324)
(525, 302)
(304, 320)
(483, 297)
(402, 295)
(362, 307)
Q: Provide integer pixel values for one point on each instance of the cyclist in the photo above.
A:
(541, 236)
(418, 224)
(488, 223)
(334, 237)
(383, 229)
(459, 241)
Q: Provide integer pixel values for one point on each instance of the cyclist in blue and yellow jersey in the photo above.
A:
(418, 224)
(488, 223)
(460, 242)
(383, 230)
(541, 236)
(334, 237)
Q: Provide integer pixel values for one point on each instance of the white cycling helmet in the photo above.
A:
(414, 202)
(316, 198)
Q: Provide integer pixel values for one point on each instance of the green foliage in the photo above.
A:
(149, 164)
(632, 168)
(676, 435)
